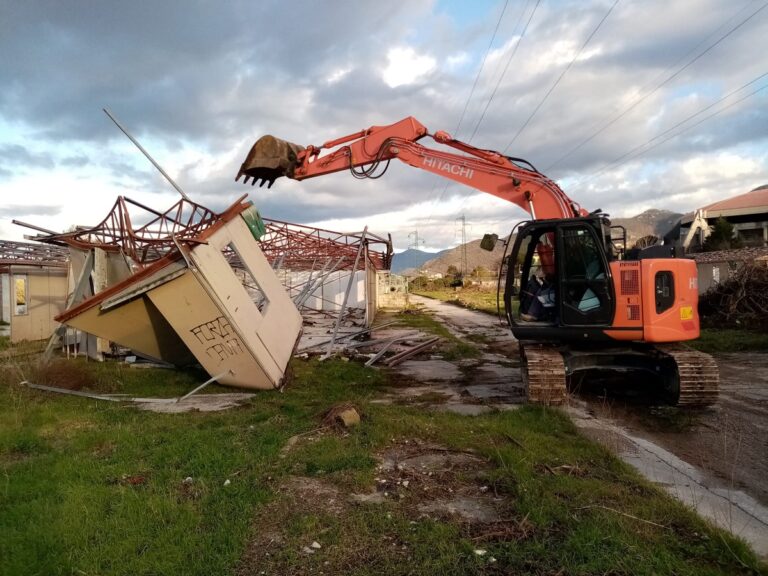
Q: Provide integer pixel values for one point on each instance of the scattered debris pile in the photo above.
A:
(389, 345)
(330, 276)
(741, 301)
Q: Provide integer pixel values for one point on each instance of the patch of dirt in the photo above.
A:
(427, 480)
(417, 479)
(62, 374)
(198, 403)
(314, 494)
(273, 550)
(728, 441)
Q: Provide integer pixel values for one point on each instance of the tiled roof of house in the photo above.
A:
(737, 255)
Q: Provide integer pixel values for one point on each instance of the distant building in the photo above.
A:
(33, 289)
(391, 290)
(716, 267)
(748, 213)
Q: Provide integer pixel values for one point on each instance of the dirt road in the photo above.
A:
(715, 460)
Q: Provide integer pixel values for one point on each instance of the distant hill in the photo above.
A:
(413, 262)
(412, 259)
(476, 256)
(651, 222)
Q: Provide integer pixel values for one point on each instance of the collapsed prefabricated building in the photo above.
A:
(143, 287)
(182, 302)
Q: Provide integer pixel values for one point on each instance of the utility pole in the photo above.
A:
(463, 220)
(417, 242)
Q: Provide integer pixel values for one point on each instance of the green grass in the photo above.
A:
(730, 340)
(480, 300)
(89, 487)
(453, 348)
(68, 504)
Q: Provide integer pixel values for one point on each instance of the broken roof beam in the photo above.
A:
(23, 253)
(184, 221)
(300, 245)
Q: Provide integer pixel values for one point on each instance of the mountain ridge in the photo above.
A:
(652, 222)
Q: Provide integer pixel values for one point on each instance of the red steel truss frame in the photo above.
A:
(300, 247)
(285, 245)
(23, 253)
(185, 221)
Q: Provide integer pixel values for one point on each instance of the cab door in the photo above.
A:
(586, 290)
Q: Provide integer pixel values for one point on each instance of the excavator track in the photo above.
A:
(543, 371)
(693, 376)
(698, 375)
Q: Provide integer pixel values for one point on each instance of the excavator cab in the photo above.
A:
(559, 278)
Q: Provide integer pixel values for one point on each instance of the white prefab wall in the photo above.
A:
(329, 296)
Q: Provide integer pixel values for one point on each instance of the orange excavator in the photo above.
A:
(577, 300)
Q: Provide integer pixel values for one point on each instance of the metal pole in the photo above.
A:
(346, 295)
(141, 148)
(83, 283)
(319, 282)
(203, 385)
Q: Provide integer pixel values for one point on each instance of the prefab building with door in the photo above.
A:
(33, 289)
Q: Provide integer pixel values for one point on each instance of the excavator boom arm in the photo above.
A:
(483, 170)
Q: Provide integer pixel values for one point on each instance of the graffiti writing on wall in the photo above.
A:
(219, 338)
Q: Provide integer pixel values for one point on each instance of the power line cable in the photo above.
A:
(638, 101)
(482, 66)
(504, 72)
(496, 87)
(466, 104)
(562, 74)
(689, 118)
(631, 155)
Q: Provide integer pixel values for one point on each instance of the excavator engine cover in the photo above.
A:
(269, 159)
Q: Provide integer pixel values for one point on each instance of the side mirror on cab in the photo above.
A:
(489, 242)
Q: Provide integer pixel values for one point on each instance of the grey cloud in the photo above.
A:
(16, 210)
(14, 156)
(156, 74)
(75, 161)
(215, 75)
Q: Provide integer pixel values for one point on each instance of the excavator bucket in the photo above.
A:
(269, 159)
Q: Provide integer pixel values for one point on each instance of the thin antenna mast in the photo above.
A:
(141, 148)
(464, 263)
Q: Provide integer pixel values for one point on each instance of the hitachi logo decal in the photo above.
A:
(445, 166)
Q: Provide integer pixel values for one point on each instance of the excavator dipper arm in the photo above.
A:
(363, 152)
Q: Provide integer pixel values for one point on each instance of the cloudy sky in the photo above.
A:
(630, 105)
